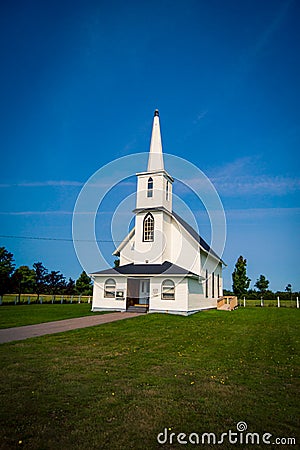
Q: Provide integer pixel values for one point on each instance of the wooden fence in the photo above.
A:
(27, 299)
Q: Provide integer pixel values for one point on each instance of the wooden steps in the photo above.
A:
(224, 308)
(138, 309)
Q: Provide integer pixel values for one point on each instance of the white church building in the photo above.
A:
(162, 258)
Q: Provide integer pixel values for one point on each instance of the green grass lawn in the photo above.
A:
(116, 386)
(15, 316)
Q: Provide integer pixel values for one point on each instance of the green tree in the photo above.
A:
(288, 289)
(70, 287)
(6, 269)
(40, 278)
(240, 281)
(84, 284)
(23, 280)
(262, 284)
(56, 282)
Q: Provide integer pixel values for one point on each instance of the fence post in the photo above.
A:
(89, 300)
(71, 300)
(278, 302)
(244, 302)
(79, 298)
(41, 300)
(28, 299)
(61, 299)
(297, 302)
(261, 301)
(16, 300)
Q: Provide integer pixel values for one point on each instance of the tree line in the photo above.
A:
(241, 283)
(38, 279)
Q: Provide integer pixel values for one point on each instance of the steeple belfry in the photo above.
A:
(155, 161)
(154, 187)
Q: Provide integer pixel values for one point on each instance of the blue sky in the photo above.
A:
(79, 82)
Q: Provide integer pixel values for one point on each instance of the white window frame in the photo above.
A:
(168, 290)
(150, 187)
(148, 228)
(110, 288)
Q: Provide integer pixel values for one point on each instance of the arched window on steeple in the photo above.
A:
(148, 228)
(167, 191)
(150, 187)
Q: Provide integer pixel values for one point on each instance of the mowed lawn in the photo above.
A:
(116, 386)
(15, 316)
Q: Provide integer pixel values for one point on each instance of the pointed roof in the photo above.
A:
(155, 161)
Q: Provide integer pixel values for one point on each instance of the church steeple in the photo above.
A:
(154, 187)
(155, 161)
(153, 204)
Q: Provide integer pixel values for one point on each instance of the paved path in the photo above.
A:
(29, 331)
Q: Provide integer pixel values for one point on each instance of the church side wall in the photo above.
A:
(209, 264)
(185, 251)
(167, 227)
(177, 306)
(101, 303)
(197, 299)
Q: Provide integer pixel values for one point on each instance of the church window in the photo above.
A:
(110, 288)
(168, 290)
(148, 228)
(218, 285)
(213, 284)
(167, 191)
(150, 187)
(206, 284)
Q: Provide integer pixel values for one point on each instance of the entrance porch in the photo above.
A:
(138, 292)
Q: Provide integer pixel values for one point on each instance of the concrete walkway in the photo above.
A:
(29, 331)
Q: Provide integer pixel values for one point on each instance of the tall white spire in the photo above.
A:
(155, 161)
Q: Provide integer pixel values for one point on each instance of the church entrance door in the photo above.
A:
(144, 292)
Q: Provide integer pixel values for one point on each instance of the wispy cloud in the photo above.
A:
(35, 213)
(47, 183)
(199, 117)
(63, 183)
(61, 213)
(256, 185)
(264, 39)
(260, 213)
(241, 177)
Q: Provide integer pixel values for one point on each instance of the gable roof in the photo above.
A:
(196, 236)
(188, 228)
(166, 268)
